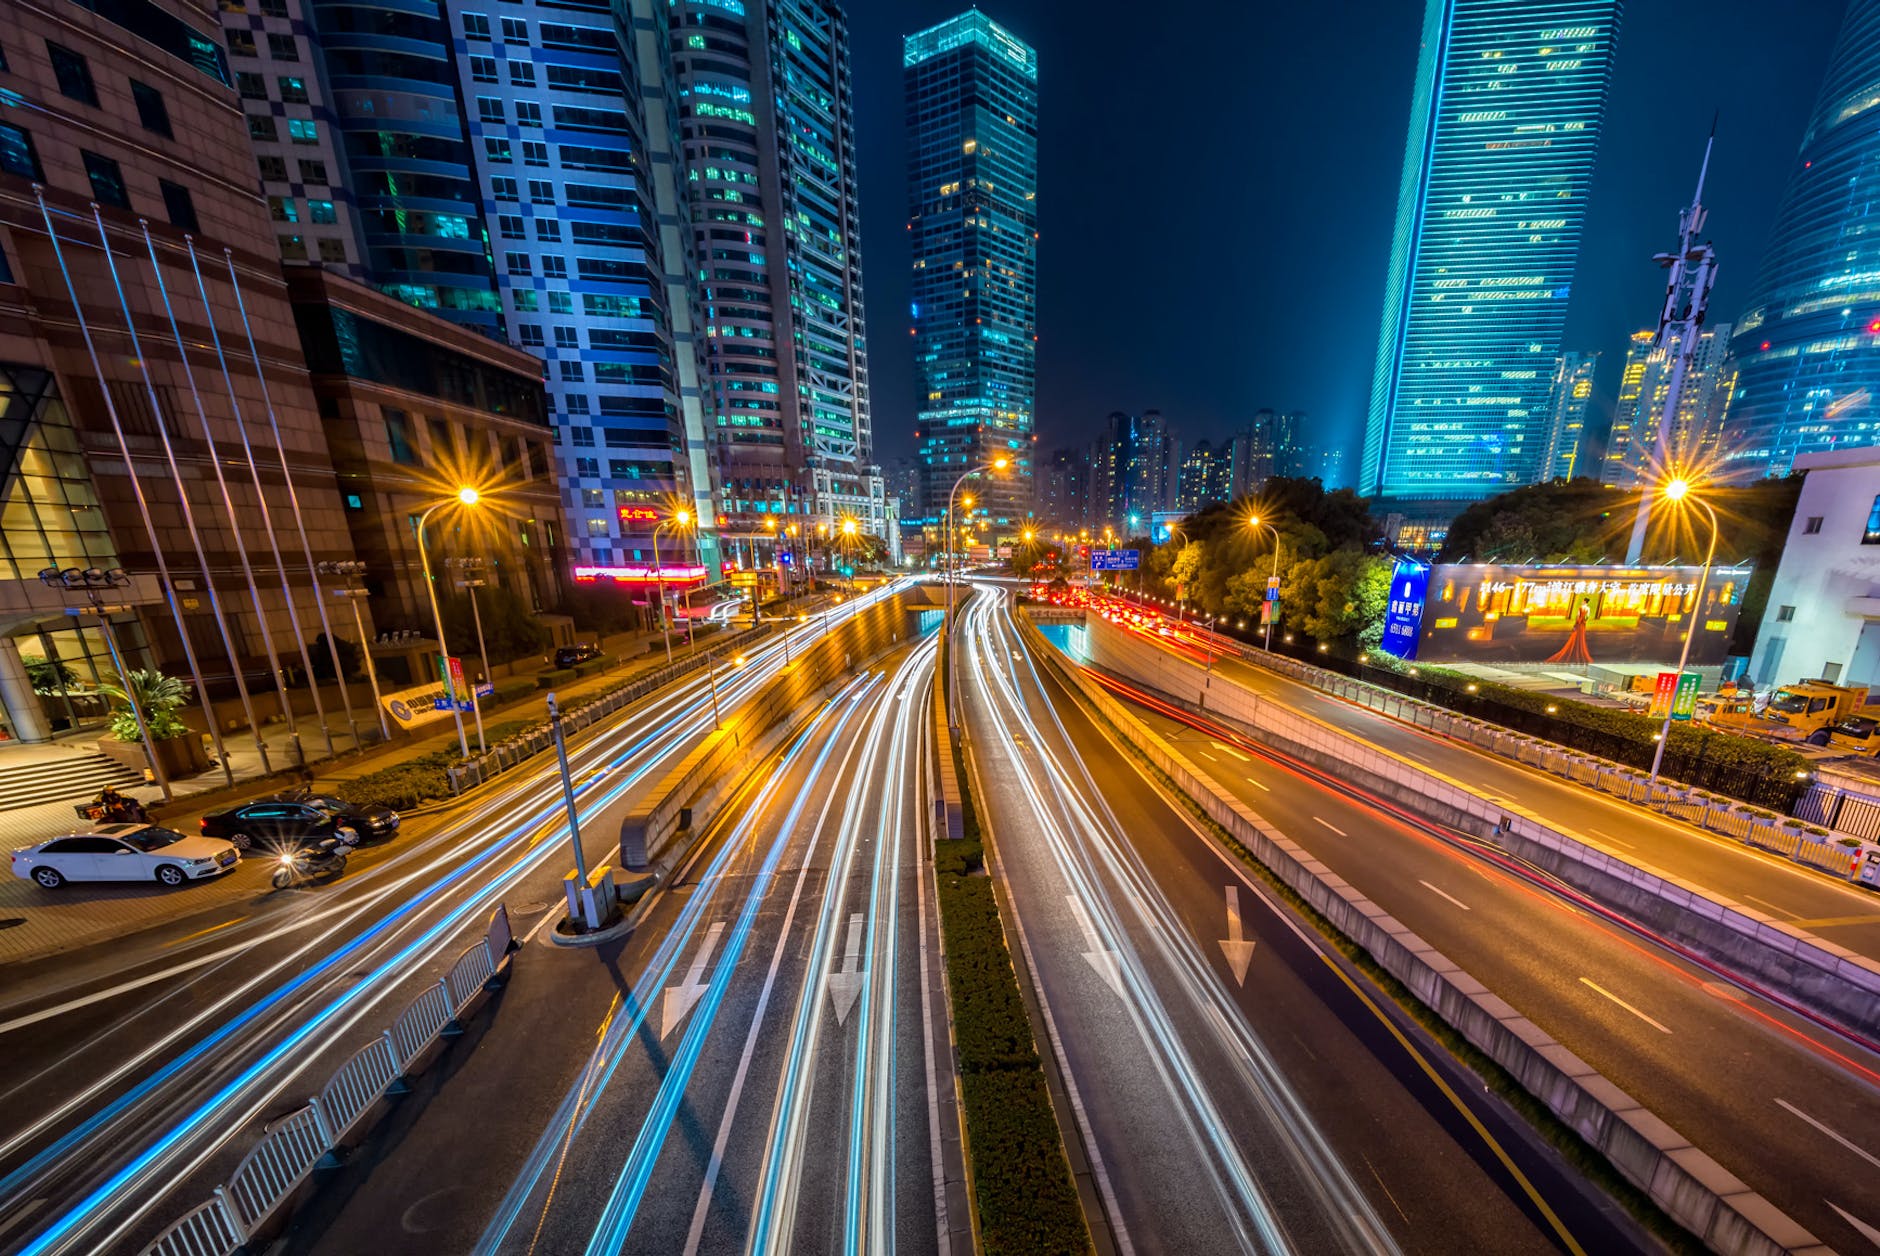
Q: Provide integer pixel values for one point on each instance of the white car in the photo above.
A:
(125, 852)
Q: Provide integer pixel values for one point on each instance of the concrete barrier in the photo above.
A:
(1816, 974)
(949, 810)
(1687, 1183)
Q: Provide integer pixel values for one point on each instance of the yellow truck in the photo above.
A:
(1809, 707)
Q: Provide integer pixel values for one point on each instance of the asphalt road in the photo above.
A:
(1273, 1107)
(1781, 1102)
(746, 1067)
(140, 1072)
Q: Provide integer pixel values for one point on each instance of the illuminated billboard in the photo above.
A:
(1575, 615)
(640, 514)
(638, 574)
(1403, 615)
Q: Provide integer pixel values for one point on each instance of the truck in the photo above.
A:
(1808, 707)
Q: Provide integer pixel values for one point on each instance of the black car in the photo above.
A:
(582, 652)
(288, 820)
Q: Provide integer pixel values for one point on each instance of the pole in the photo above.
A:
(483, 661)
(567, 790)
(1684, 655)
(659, 576)
(130, 695)
(372, 674)
(711, 678)
(1272, 611)
(437, 618)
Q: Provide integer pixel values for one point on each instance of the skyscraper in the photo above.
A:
(1206, 476)
(1567, 405)
(1644, 387)
(1807, 346)
(1134, 469)
(1504, 124)
(972, 170)
(768, 123)
(1062, 481)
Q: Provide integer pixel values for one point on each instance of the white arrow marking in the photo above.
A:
(845, 986)
(683, 997)
(1239, 951)
(1101, 959)
(1866, 1231)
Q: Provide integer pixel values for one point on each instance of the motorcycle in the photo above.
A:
(326, 857)
(112, 807)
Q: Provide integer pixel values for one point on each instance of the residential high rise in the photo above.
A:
(1331, 470)
(1206, 476)
(1062, 483)
(1572, 394)
(1807, 346)
(767, 117)
(1644, 387)
(1134, 469)
(972, 170)
(1505, 119)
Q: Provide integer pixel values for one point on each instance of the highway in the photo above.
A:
(1235, 1086)
(1781, 1102)
(138, 1075)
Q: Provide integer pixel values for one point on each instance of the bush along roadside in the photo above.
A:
(1022, 1188)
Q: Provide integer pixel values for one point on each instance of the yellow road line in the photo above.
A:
(200, 932)
(1468, 1114)
(1828, 922)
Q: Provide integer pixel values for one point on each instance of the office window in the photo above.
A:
(107, 180)
(483, 69)
(1813, 526)
(273, 8)
(4, 68)
(561, 303)
(503, 188)
(293, 89)
(1785, 614)
(443, 439)
(321, 212)
(312, 171)
(555, 267)
(510, 225)
(1872, 535)
(515, 30)
(303, 130)
(547, 229)
(273, 169)
(567, 338)
(496, 149)
(521, 74)
(530, 334)
(490, 109)
(73, 73)
(283, 209)
(598, 527)
(593, 498)
(283, 47)
(590, 467)
(534, 153)
(177, 205)
(294, 248)
(516, 263)
(333, 251)
(17, 154)
(476, 26)
(542, 191)
(577, 403)
(399, 435)
(528, 113)
(251, 86)
(261, 127)
(572, 372)
(151, 111)
(525, 301)
(240, 43)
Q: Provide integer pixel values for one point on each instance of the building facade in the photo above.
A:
(1061, 485)
(1206, 476)
(972, 119)
(1135, 469)
(1696, 431)
(767, 120)
(1571, 397)
(1505, 120)
(1807, 346)
(1823, 614)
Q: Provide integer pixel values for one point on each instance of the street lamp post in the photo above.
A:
(1677, 490)
(469, 580)
(354, 592)
(92, 582)
(995, 464)
(465, 496)
(1255, 522)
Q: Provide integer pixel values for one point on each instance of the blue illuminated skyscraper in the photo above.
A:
(972, 191)
(1807, 347)
(1504, 124)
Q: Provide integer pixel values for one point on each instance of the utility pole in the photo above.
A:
(1692, 271)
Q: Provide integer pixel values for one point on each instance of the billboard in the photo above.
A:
(1403, 615)
(1576, 615)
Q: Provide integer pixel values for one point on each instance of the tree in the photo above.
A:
(158, 696)
(1338, 597)
(349, 656)
(510, 630)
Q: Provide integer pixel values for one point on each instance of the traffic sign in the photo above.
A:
(1115, 560)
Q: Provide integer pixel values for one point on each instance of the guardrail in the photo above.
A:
(512, 751)
(267, 1179)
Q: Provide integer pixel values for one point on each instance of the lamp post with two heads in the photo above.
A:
(1677, 491)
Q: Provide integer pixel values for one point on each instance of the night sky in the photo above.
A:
(1217, 187)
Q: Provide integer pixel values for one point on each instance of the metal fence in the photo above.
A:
(1358, 682)
(511, 751)
(293, 1146)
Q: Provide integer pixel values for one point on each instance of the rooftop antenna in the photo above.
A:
(1692, 271)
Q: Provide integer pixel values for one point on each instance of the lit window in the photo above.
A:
(107, 180)
(303, 130)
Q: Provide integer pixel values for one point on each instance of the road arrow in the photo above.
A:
(1101, 959)
(683, 997)
(846, 983)
(1238, 950)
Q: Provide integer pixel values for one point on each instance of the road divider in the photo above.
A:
(1690, 1186)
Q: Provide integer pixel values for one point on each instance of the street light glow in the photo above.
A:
(1677, 490)
(682, 517)
(468, 496)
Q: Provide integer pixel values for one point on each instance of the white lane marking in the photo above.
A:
(1599, 989)
(1607, 837)
(1210, 758)
(681, 998)
(1333, 827)
(1780, 911)
(1230, 750)
(1866, 1231)
(1239, 950)
(1101, 958)
(1252, 781)
(1862, 1152)
(1452, 898)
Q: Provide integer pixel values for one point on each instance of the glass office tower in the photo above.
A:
(1504, 123)
(1807, 347)
(972, 121)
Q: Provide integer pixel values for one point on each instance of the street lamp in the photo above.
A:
(1256, 523)
(465, 496)
(680, 518)
(996, 464)
(470, 578)
(353, 590)
(1675, 491)
(92, 582)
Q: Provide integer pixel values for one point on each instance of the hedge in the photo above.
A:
(557, 676)
(1021, 1181)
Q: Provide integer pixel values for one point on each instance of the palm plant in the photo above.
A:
(158, 697)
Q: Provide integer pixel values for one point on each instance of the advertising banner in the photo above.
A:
(1685, 704)
(1664, 692)
(1403, 616)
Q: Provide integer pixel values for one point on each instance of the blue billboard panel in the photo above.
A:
(1403, 617)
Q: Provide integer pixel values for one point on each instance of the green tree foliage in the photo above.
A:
(349, 658)
(510, 630)
(50, 675)
(1336, 597)
(158, 697)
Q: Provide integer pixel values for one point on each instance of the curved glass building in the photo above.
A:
(1808, 345)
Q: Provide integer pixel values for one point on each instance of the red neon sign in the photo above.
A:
(639, 574)
(639, 514)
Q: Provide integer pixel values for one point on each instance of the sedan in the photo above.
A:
(124, 852)
(277, 822)
(369, 822)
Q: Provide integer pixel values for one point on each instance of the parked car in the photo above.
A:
(369, 822)
(580, 652)
(279, 821)
(125, 852)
